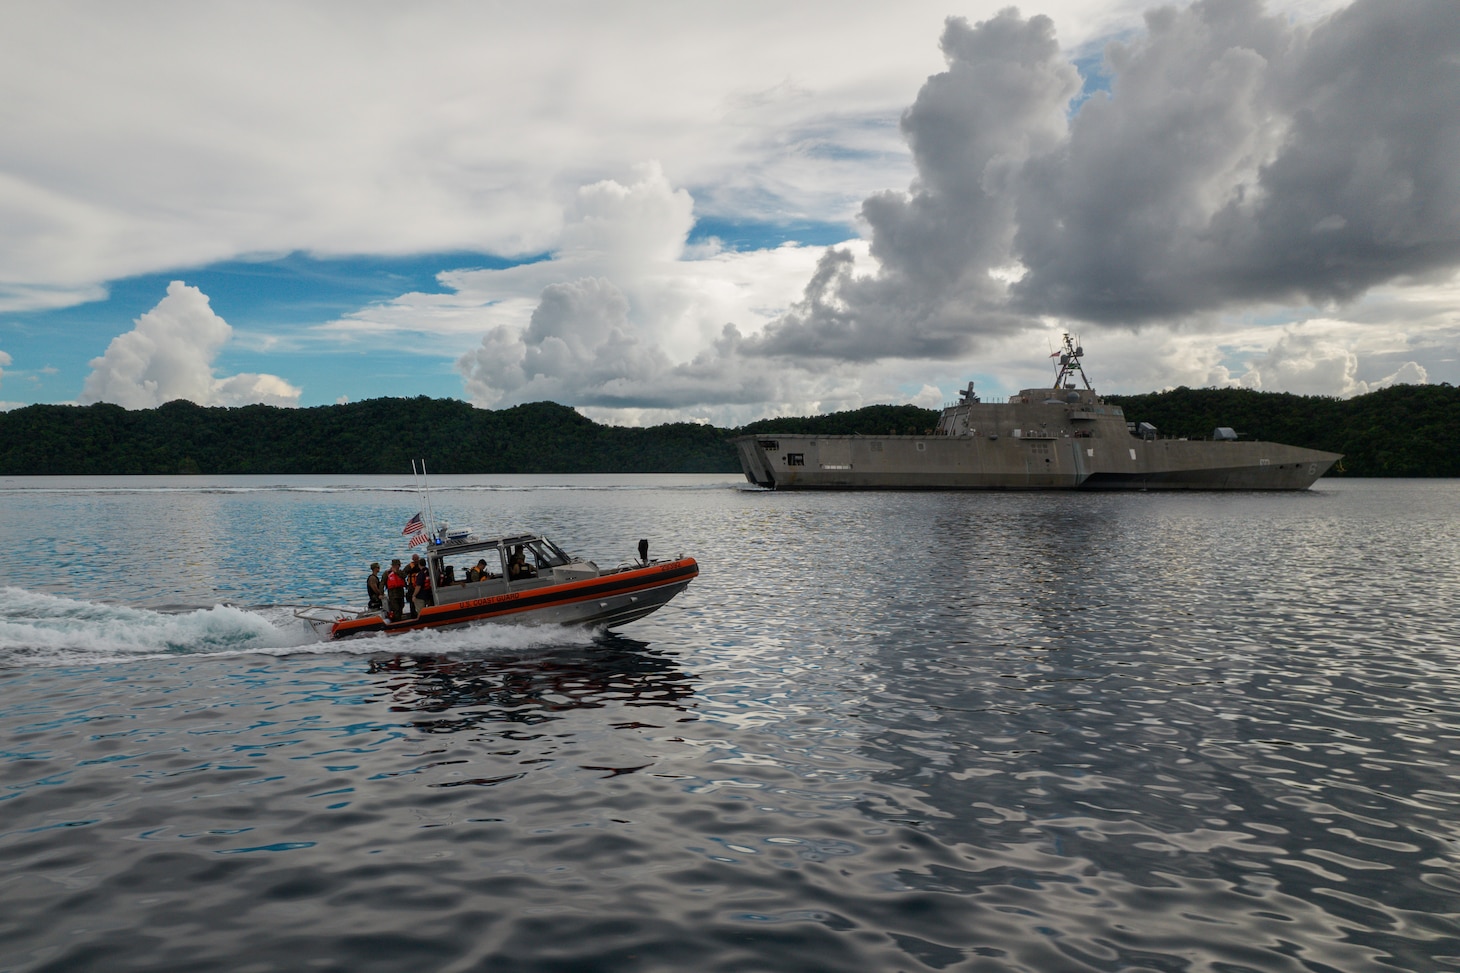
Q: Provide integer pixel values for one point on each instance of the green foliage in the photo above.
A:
(1406, 430)
(375, 436)
(874, 420)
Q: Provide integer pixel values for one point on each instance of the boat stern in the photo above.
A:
(322, 619)
(752, 451)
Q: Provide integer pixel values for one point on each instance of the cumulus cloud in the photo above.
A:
(628, 319)
(1238, 159)
(579, 336)
(647, 220)
(972, 129)
(1310, 361)
(580, 348)
(1410, 373)
(169, 355)
(1307, 364)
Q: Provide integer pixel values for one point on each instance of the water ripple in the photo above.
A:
(882, 731)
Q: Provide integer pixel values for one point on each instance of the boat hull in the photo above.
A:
(1054, 462)
(1172, 464)
(1055, 438)
(604, 601)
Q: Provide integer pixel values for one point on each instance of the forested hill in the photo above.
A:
(1406, 430)
(375, 436)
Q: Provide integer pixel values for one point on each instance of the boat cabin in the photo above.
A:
(466, 568)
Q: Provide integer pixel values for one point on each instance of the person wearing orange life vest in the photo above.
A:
(395, 589)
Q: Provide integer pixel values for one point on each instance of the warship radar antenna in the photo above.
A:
(1069, 365)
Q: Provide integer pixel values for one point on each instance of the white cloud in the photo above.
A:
(631, 233)
(929, 397)
(249, 389)
(1307, 364)
(169, 355)
(945, 245)
(645, 221)
(628, 321)
(157, 136)
(5, 360)
(1315, 359)
(1410, 373)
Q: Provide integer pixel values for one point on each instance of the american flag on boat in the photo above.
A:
(414, 526)
(417, 539)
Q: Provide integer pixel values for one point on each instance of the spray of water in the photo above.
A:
(39, 629)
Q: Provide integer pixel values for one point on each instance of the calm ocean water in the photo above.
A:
(1008, 732)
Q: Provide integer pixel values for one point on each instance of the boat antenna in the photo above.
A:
(1069, 364)
(423, 486)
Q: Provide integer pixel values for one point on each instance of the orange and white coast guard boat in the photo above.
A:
(524, 578)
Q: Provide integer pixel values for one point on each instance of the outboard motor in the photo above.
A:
(644, 550)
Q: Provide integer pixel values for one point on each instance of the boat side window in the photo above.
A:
(483, 565)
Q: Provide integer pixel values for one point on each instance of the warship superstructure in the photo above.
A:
(1064, 437)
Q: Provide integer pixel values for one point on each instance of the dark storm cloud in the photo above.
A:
(1367, 187)
(1002, 99)
(1238, 159)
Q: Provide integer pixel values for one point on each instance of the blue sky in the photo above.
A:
(260, 296)
(750, 211)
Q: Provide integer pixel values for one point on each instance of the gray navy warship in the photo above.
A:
(1059, 438)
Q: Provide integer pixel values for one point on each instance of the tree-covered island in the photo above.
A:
(1404, 430)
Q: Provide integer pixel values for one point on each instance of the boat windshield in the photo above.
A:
(547, 554)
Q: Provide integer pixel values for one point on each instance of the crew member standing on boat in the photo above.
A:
(395, 587)
(422, 591)
(372, 587)
(410, 575)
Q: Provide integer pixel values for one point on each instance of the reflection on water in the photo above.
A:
(449, 695)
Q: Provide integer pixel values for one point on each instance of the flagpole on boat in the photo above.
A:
(431, 514)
